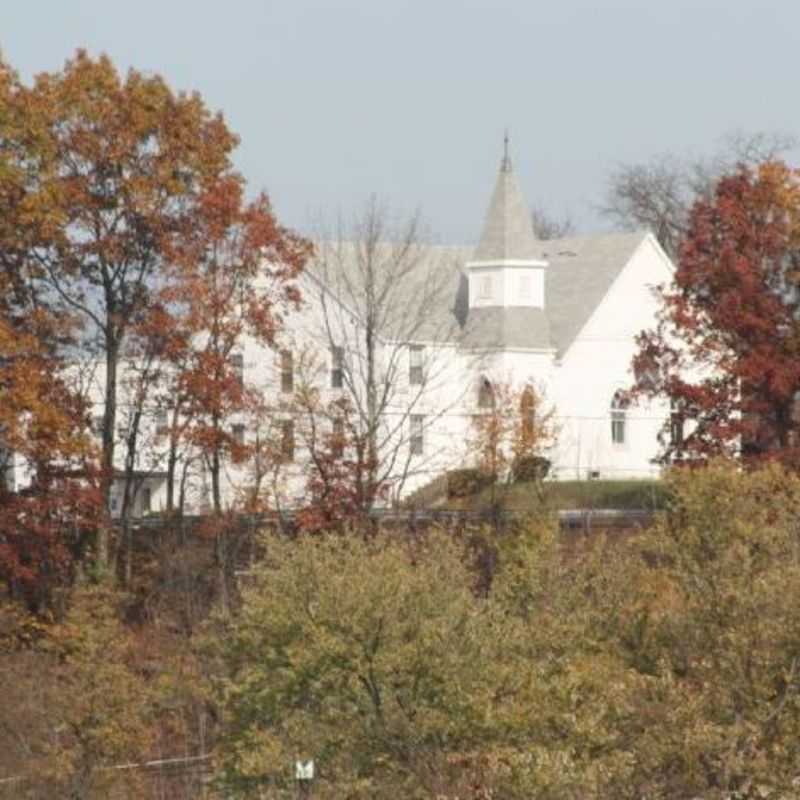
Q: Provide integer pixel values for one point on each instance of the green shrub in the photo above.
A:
(528, 469)
(467, 482)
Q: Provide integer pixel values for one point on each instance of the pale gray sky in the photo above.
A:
(408, 99)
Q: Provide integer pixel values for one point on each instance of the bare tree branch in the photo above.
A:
(546, 227)
(659, 193)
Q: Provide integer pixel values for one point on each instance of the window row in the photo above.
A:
(416, 367)
(337, 441)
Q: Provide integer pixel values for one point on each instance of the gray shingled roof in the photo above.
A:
(507, 231)
(581, 270)
(506, 327)
(580, 273)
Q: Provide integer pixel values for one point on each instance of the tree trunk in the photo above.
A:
(107, 461)
(221, 554)
(216, 494)
(372, 418)
(131, 490)
(172, 463)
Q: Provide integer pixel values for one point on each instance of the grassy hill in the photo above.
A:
(557, 495)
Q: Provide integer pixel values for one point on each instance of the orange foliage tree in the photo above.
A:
(46, 525)
(117, 167)
(232, 281)
(48, 498)
(514, 430)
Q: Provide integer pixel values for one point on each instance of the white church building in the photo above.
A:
(449, 324)
(559, 315)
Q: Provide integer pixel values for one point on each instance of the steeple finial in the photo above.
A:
(505, 165)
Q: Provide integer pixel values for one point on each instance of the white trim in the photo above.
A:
(504, 349)
(508, 262)
(670, 264)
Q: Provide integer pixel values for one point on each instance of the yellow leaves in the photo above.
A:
(79, 704)
(664, 666)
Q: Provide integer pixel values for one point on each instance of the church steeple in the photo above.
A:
(507, 231)
(507, 270)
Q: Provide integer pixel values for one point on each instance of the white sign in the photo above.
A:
(304, 770)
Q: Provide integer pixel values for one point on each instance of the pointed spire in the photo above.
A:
(505, 164)
(507, 231)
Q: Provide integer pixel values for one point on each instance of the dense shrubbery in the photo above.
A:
(665, 665)
(529, 469)
(467, 482)
(665, 668)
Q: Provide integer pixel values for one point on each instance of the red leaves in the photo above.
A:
(44, 532)
(46, 526)
(120, 206)
(726, 348)
(341, 484)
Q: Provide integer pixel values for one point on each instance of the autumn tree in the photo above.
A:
(712, 640)
(368, 657)
(119, 163)
(513, 431)
(337, 484)
(81, 704)
(659, 193)
(233, 280)
(48, 499)
(385, 294)
(724, 351)
(145, 373)
(662, 664)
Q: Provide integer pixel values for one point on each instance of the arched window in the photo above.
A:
(485, 393)
(619, 410)
(527, 414)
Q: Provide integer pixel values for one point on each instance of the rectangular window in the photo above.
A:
(146, 500)
(416, 357)
(676, 429)
(237, 431)
(287, 440)
(337, 367)
(237, 368)
(287, 371)
(337, 438)
(618, 427)
(97, 425)
(162, 421)
(417, 443)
